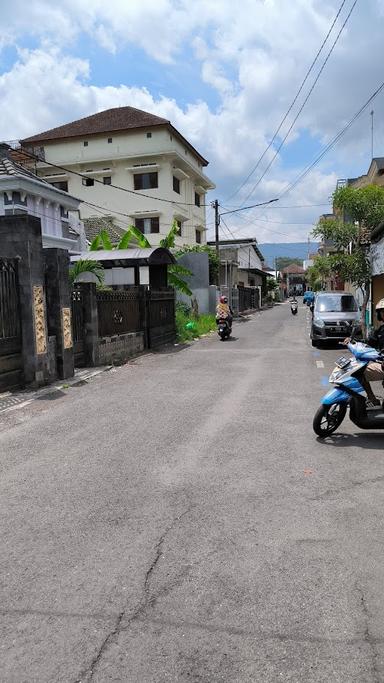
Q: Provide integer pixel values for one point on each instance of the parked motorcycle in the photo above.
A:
(224, 328)
(294, 306)
(349, 391)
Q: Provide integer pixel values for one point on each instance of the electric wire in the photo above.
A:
(116, 187)
(277, 131)
(332, 143)
(303, 104)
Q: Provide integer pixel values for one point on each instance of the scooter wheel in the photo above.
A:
(328, 418)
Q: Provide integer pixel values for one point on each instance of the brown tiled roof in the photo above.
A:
(108, 121)
(94, 224)
(293, 269)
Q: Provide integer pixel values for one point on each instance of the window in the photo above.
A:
(107, 180)
(149, 135)
(109, 140)
(251, 282)
(197, 199)
(179, 226)
(145, 181)
(61, 185)
(85, 143)
(176, 185)
(198, 236)
(148, 225)
(88, 182)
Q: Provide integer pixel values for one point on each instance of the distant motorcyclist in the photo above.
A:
(374, 371)
(224, 311)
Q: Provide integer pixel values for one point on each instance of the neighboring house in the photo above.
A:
(374, 175)
(22, 192)
(377, 258)
(292, 280)
(246, 255)
(139, 152)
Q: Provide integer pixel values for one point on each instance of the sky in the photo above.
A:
(225, 74)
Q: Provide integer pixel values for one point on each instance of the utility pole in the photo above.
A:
(215, 206)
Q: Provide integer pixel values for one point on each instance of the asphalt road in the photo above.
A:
(177, 520)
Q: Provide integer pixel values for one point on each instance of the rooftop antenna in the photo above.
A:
(372, 115)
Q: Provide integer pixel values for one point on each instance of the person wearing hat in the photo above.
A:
(374, 372)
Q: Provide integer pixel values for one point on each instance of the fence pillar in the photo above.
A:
(91, 324)
(59, 308)
(20, 238)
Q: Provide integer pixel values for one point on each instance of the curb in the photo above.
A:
(9, 401)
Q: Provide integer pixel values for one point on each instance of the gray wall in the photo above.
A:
(198, 263)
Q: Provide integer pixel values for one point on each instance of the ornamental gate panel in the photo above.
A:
(78, 326)
(11, 362)
(119, 311)
(161, 317)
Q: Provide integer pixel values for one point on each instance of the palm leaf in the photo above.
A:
(180, 270)
(106, 240)
(86, 266)
(178, 283)
(138, 235)
(168, 242)
(95, 244)
(126, 239)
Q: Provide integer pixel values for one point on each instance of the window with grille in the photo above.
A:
(145, 181)
(198, 236)
(176, 185)
(148, 225)
(197, 199)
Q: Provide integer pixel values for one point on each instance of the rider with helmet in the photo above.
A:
(374, 371)
(224, 311)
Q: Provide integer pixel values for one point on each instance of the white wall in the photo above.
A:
(117, 159)
(248, 258)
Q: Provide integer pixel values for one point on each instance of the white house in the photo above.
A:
(137, 168)
(21, 191)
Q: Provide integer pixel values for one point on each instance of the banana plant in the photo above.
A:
(176, 272)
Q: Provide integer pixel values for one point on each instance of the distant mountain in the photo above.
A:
(299, 250)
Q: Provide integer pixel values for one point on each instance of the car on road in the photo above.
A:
(308, 297)
(334, 314)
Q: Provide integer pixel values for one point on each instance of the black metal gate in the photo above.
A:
(249, 298)
(161, 317)
(11, 364)
(78, 327)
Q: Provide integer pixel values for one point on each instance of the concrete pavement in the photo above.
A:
(177, 520)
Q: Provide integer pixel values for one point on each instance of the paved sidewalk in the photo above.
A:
(11, 400)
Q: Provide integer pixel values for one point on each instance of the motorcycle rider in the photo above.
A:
(374, 371)
(224, 311)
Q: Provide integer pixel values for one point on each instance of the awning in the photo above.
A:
(126, 258)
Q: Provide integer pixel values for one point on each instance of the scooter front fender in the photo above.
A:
(335, 396)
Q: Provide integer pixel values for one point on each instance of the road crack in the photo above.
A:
(367, 635)
(146, 600)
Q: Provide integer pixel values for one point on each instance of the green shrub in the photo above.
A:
(186, 331)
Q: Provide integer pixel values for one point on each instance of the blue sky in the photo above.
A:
(224, 78)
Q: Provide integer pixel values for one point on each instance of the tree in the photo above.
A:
(317, 274)
(358, 212)
(283, 261)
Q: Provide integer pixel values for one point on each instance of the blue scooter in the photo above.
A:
(349, 391)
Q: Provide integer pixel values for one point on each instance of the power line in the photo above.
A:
(291, 105)
(303, 104)
(116, 187)
(253, 206)
(331, 144)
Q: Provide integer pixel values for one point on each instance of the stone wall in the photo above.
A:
(118, 349)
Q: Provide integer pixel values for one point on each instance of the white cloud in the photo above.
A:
(252, 55)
